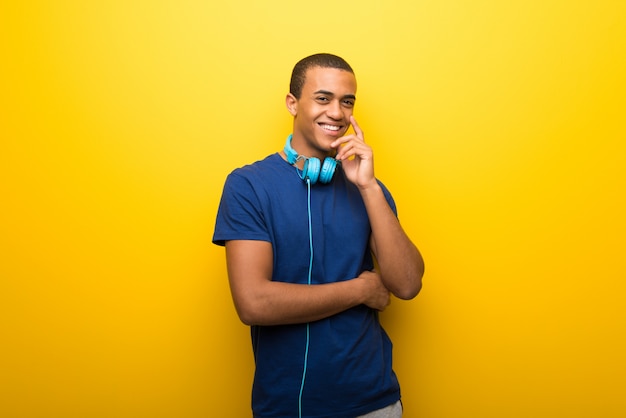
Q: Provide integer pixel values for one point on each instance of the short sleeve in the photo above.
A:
(240, 215)
(389, 198)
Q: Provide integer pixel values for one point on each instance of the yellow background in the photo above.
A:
(498, 126)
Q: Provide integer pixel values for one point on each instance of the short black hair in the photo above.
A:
(324, 60)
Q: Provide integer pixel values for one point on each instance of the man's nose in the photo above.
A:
(334, 110)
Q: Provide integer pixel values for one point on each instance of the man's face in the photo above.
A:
(322, 114)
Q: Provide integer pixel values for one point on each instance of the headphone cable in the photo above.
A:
(306, 351)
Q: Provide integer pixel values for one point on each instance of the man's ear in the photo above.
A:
(292, 104)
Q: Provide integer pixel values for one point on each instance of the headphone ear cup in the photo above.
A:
(311, 169)
(328, 169)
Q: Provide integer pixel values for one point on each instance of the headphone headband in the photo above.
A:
(292, 155)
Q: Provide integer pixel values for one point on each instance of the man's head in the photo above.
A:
(321, 101)
(298, 75)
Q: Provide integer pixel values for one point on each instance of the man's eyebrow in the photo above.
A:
(330, 93)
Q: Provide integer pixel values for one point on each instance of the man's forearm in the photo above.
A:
(278, 303)
(400, 262)
(261, 301)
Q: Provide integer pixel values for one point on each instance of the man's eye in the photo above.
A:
(348, 103)
(322, 99)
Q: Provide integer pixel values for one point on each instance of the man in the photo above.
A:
(299, 257)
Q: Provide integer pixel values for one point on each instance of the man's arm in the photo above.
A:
(400, 262)
(261, 301)
(401, 265)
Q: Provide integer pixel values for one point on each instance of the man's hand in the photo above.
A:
(357, 158)
(376, 294)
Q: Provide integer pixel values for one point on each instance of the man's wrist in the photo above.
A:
(370, 188)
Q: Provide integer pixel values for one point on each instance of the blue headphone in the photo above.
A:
(311, 169)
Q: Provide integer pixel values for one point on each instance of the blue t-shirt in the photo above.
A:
(349, 369)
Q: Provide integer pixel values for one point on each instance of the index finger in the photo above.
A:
(357, 128)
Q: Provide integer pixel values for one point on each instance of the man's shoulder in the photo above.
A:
(269, 163)
(268, 173)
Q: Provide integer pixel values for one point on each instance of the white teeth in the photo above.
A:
(330, 127)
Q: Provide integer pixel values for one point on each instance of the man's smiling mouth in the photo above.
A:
(330, 127)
